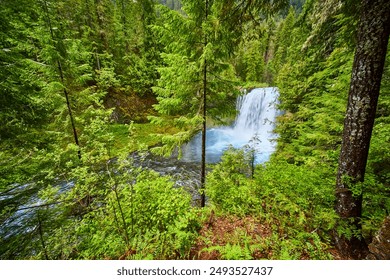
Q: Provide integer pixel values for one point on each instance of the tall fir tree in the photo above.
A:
(196, 83)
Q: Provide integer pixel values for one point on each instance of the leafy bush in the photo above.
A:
(144, 216)
(296, 201)
(228, 186)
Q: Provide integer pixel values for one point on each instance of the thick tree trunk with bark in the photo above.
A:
(373, 35)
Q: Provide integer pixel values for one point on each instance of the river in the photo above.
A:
(253, 127)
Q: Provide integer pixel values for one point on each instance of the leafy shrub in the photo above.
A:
(146, 216)
(228, 186)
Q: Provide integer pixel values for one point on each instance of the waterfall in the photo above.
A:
(253, 126)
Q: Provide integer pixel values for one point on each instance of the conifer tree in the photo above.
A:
(143, 58)
(370, 55)
(18, 90)
(195, 81)
(314, 83)
(59, 53)
(53, 59)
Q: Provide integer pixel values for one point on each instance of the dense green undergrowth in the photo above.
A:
(89, 200)
(296, 202)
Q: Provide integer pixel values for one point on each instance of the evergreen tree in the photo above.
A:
(196, 83)
(143, 59)
(250, 61)
(58, 55)
(311, 79)
(314, 82)
(54, 62)
(21, 107)
(283, 42)
(373, 36)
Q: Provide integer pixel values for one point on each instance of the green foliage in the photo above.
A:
(107, 209)
(196, 48)
(313, 98)
(55, 205)
(379, 157)
(128, 214)
(232, 252)
(228, 186)
(314, 79)
(250, 59)
(304, 192)
(284, 38)
(301, 246)
(22, 109)
(172, 4)
(296, 200)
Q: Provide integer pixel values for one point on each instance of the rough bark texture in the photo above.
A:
(380, 246)
(366, 77)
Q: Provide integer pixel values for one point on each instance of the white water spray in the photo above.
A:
(254, 126)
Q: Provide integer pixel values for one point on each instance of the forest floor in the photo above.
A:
(221, 231)
(241, 236)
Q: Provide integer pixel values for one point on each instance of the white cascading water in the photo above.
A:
(253, 127)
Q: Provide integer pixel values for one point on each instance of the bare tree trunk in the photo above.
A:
(373, 35)
(204, 126)
(41, 237)
(61, 72)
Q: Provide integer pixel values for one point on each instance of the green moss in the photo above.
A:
(134, 136)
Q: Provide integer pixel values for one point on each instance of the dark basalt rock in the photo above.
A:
(380, 246)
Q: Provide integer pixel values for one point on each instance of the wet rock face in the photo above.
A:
(380, 246)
